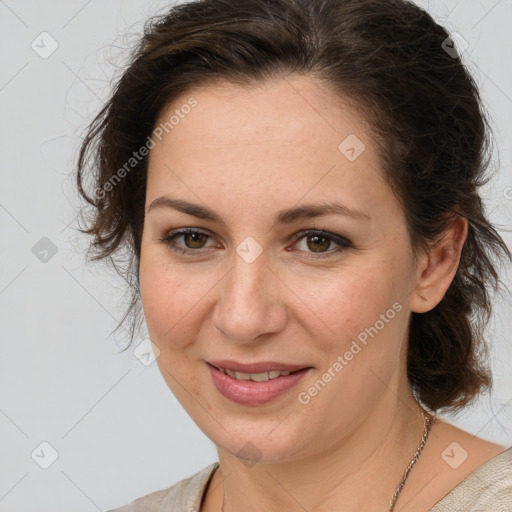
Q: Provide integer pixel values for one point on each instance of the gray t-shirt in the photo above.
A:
(487, 489)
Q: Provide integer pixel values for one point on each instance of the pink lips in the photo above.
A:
(248, 392)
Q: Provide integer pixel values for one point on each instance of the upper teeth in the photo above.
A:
(257, 377)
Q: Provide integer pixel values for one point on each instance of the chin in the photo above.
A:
(260, 448)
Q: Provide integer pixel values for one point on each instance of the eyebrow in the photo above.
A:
(288, 216)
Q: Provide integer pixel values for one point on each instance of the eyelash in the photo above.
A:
(343, 243)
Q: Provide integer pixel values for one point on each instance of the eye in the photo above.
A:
(321, 243)
(193, 240)
(318, 243)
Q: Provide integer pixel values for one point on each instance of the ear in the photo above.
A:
(438, 265)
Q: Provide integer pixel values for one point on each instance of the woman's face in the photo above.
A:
(257, 174)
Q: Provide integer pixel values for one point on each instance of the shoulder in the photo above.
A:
(489, 487)
(183, 496)
(458, 471)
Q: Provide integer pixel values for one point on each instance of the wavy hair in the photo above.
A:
(388, 57)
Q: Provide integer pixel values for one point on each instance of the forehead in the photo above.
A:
(288, 137)
(287, 110)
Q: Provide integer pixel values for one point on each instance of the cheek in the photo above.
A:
(364, 318)
(172, 301)
(367, 321)
(344, 304)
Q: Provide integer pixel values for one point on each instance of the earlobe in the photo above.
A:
(437, 268)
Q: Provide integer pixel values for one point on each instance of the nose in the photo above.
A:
(251, 302)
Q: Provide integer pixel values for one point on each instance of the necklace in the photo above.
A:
(428, 422)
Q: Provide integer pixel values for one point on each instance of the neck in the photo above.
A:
(377, 451)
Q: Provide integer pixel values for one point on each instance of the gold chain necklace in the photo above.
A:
(428, 422)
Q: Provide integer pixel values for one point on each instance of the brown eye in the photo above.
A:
(195, 240)
(188, 241)
(318, 243)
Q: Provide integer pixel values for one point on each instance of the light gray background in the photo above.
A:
(118, 430)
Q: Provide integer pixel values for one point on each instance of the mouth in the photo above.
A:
(255, 377)
(255, 383)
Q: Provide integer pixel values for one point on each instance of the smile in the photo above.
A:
(257, 383)
(256, 377)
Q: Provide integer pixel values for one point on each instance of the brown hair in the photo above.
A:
(387, 56)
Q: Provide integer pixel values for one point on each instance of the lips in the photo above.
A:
(255, 383)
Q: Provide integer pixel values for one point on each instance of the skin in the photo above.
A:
(248, 153)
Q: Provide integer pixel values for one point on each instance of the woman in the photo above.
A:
(296, 182)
